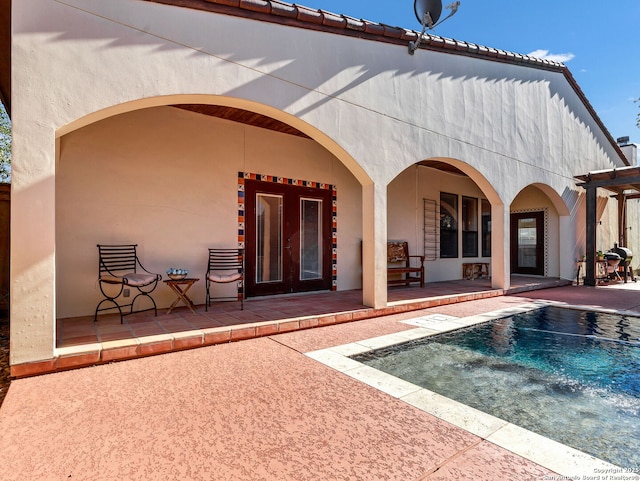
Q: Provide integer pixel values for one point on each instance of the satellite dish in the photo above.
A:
(428, 11)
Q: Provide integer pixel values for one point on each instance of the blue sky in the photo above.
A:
(597, 40)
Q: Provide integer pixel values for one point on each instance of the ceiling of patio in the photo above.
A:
(443, 166)
(242, 116)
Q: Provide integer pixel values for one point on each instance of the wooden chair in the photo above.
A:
(225, 266)
(119, 267)
(399, 262)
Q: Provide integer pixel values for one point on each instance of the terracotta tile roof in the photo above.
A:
(276, 11)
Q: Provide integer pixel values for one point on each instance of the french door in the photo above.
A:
(288, 238)
(527, 243)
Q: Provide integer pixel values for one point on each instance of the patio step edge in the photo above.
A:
(75, 357)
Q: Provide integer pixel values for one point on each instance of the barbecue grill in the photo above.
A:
(625, 261)
(613, 259)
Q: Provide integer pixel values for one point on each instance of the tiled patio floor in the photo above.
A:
(256, 410)
(81, 341)
(82, 330)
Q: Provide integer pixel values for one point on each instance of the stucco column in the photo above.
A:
(500, 247)
(33, 319)
(374, 245)
(566, 252)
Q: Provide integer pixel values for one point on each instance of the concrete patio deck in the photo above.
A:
(259, 409)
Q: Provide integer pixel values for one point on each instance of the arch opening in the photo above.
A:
(538, 234)
(444, 207)
(171, 180)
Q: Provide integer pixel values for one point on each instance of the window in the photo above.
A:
(486, 228)
(469, 227)
(448, 225)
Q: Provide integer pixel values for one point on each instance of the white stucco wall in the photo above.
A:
(515, 118)
(377, 109)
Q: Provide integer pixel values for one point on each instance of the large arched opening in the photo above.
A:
(445, 209)
(172, 176)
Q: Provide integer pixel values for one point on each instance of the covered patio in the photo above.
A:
(83, 342)
(623, 184)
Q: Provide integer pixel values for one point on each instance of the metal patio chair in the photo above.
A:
(118, 268)
(225, 266)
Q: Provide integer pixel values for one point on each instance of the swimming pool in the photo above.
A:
(572, 376)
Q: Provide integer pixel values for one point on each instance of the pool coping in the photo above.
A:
(562, 459)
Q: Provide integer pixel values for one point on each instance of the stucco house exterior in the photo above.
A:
(170, 123)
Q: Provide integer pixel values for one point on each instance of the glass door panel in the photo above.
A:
(310, 239)
(527, 243)
(268, 238)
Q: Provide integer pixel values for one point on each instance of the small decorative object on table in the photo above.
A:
(177, 274)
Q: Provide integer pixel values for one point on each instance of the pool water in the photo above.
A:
(572, 376)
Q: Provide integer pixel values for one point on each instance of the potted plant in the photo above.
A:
(599, 256)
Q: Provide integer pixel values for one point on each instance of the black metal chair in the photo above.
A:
(225, 266)
(119, 267)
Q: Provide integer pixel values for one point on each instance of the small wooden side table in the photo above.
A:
(180, 287)
(475, 270)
